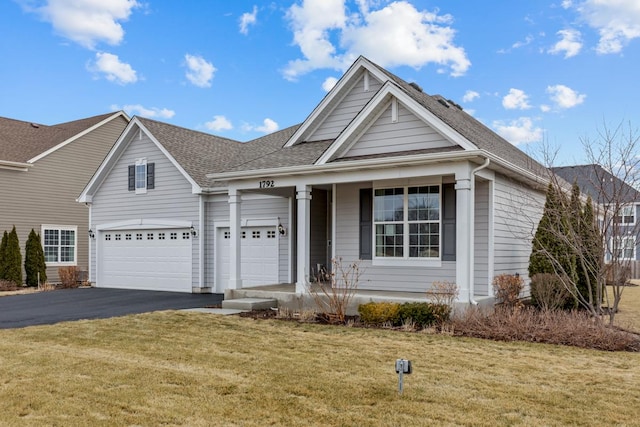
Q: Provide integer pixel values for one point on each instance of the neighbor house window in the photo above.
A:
(407, 222)
(626, 215)
(59, 245)
(624, 248)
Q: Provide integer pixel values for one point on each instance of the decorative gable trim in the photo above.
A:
(362, 67)
(389, 94)
(79, 135)
(134, 130)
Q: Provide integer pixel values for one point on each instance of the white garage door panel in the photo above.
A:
(259, 256)
(146, 259)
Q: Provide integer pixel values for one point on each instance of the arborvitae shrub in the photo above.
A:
(3, 256)
(34, 260)
(13, 259)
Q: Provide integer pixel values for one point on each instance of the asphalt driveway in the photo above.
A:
(45, 308)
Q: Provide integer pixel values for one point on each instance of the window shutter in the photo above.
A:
(151, 173)
(448, 222)
(132, 177)
(366, 212)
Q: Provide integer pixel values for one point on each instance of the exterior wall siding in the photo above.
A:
(517, 212)
(481, 239)
(347, 109)
(171, 199)
(47, 193)
(265, 207)
(401, 278)
(408, 133)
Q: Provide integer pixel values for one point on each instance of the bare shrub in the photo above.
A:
(443, 293)
(68, 276)
(333, 295)
(507, 289)
(6, 285)
(549, 292)
(574, 328)
(46, 287)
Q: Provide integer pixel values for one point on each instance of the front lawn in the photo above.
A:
(179, 368)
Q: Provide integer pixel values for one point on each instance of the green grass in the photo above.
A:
(178, 368)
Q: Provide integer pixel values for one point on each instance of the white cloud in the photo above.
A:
(86, 22)
(566, 4)
(139, 110)
(519, 131)
(516, 99)
(570, 43)
(219, 123)
(545, 108)
(248, 19)
(329, 83)
(397, 34)
(617, 22)
(268, 126)
(199, 71)
(113, 69)
(565, 97)
(470, 96)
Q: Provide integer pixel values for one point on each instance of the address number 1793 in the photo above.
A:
(268, 183)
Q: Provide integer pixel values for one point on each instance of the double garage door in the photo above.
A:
(161, 259)
(157, 260)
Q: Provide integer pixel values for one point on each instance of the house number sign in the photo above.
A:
(267, 183)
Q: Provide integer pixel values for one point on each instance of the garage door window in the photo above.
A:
(59, 245)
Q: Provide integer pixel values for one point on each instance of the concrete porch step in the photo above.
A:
(250, 303)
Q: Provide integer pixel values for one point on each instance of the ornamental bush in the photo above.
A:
(13, 259)
(548, 292)
(3, 251)
(424, 314)
(379, 313)
(34, 265)
(507, 289)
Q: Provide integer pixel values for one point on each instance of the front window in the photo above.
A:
(141, 176)
(59, 245)
(407, 222)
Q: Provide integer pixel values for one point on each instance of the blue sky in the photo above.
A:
(540, 73)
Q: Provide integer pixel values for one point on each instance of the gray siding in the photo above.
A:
(401, 279)
(481, 238)
(318, 249)
(217, 210)
(517, 212)
(47, 193)
(170, 200)
(408, 133)
(346, 110)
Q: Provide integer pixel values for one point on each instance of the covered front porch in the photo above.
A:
(331, 220)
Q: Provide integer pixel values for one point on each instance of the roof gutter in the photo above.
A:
(23, 167)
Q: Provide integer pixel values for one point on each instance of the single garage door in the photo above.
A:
(259, 256)
(158, 260)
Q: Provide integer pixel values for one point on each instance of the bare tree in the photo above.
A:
(594, 241)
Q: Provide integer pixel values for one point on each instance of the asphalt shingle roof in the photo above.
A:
(21, 141)
(598, 183)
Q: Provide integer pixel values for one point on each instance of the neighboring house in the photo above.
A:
(42, 171)
(607, 189)
(381, 172)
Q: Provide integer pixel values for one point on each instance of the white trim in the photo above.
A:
(143, 224)
(127, 136)
(389, 92)
(78, 135)
(140, 162)
(201, 235)
(290, 237)
(59, 228)
(346, 81)
(334, 216)
(19, 166)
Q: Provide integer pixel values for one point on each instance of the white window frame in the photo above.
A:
(406, 260)
(627, 207)
(59, 229)
(142, 164)
(621, 246)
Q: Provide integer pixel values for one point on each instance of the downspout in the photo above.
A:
(472, 229)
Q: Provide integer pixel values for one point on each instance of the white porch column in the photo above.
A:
(303, 197)
(464, 216)
(235, 255)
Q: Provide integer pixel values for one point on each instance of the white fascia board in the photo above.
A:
(18, 166)
(338, 92)
(195, 188)
(79, 135)
(352, 132)
(144, 223)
